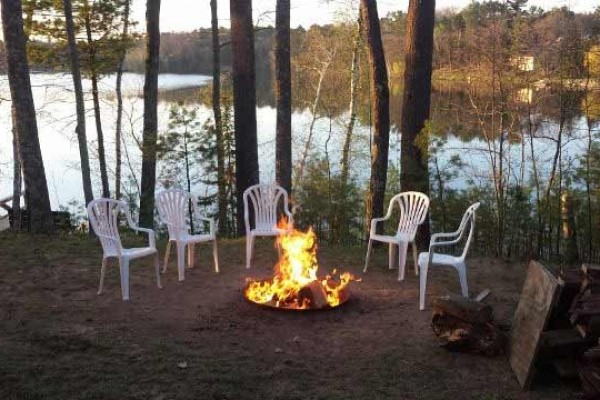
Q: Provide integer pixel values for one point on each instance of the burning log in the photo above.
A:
(313, 295)
(466, 325)
(295, 284)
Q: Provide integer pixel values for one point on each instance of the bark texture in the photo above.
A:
(216, 104)
(96, 102)
(414, 174)
(380, 110)
(36, 196)
(119, 123)
(150, 114)
(79, 104)
(283, 96)
(244, 102)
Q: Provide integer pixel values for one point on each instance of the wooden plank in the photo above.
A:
(484, 293)
(530, 319)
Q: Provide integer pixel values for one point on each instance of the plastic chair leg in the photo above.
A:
(102, 274)
(391, 256)
(249, 249)
(422, 285)
(215, 256)
(415, 258)
(124, 269)
(181, 260)
(191, 247)
(157, 270)
(462, 275)
(368, 254)
(402, 249)
(167, 252)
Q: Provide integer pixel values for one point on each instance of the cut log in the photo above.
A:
(314, 293)
(470, 311)
(456, 334)
(588, 369)
(563, 342)
(483, 294)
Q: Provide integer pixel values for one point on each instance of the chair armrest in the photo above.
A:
(150, 232)
(211, 224)
(436, 236)
(374, 222)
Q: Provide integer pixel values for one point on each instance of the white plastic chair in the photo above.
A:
(264, 200)
(173, 208)
(413, 210)
(430, 258)
(103, 215)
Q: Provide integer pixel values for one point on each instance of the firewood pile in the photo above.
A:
(466, 325)
(577, 316)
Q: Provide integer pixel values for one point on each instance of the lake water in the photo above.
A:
(54, 101)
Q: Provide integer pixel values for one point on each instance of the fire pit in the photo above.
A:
(295, 284)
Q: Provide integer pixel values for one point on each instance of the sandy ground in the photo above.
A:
(199, 339)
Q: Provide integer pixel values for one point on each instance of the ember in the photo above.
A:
(295, 284)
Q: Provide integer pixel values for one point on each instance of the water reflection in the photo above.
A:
(466, 116)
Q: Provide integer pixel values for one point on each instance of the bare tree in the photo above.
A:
(283, 93)
(79, 103)
(216, 104)
(380, 109)
(88, 9)
(416, 100)
(36, 196)
(119, 123)
(244, 101)
(148, 184)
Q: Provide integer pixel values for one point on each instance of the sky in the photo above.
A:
(187, 15)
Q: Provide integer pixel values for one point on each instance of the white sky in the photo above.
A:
(187, 15)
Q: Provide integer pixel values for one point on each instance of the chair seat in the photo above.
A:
(440, 259)
(187, 238)
(137, 252)
(400, 237)
(267, 232)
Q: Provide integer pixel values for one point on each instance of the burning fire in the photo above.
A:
(295, 284)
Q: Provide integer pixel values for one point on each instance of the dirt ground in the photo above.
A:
(200, 339)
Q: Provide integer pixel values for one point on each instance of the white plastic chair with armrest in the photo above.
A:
(413, 210)
(103, 216)
(430, 258)
(173, 208)
(264, 200)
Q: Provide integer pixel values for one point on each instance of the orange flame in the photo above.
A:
(295, 284)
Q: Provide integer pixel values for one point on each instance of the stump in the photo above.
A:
(466, 325)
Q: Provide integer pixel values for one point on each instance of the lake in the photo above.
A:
(54, 101)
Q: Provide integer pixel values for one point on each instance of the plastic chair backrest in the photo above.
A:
(103, 215)
(468, 217)
(264, 199)
(413, 210)
(173, 208)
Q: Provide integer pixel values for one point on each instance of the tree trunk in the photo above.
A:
(119, 123)
(244, 102)
(216, 104)
(414, 174)
(96, 101)
(354, 79)
(380, 110)
(17, 175)
(79, 104)
(283, 93)
(150, 114)
(36, 197)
